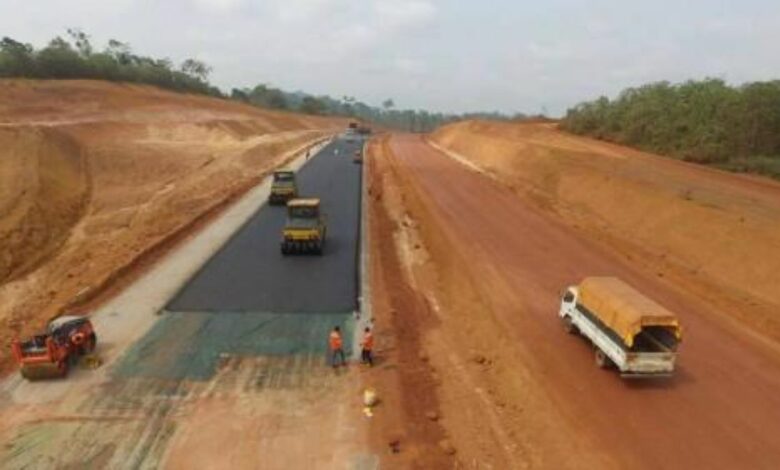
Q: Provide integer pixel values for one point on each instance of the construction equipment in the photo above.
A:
(51, 354)
(304, 231)
(283, 188)
(628, 330)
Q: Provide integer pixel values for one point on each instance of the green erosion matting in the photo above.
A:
(188, 345)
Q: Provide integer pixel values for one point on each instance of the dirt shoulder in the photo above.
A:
(408, 418)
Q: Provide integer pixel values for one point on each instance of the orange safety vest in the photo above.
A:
(335, 341)
(368, 341)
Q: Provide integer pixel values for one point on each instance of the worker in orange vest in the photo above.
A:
(336, 347)
(367, 345)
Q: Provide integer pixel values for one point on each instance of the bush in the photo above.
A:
(62, 59)
(703, 121)
(767, 166)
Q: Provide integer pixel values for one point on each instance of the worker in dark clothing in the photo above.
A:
(367, 345)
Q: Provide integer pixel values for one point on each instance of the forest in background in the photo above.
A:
(736, 128)
(387, 115)
(74, 57)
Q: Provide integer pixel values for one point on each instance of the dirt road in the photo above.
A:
(494, 265)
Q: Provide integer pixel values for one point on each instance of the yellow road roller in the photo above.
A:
(304, 230)
(283, 187)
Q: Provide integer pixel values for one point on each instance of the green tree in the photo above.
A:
(312, 105)
(60, 60)
(704, 121)
(196, 69)
(17, 59)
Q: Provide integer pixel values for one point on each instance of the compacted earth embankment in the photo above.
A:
(708, 231)
(96, 179)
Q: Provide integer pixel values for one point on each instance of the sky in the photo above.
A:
(439, 55)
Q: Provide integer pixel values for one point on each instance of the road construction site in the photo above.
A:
(98, 180)
(209, 357)
(214, 350)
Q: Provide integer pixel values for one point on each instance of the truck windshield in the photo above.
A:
(568, 297)
(283, 177)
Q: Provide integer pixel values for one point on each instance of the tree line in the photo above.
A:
(706, 121)
(387, 115)
(75, 57)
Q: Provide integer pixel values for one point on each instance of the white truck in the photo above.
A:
(628, 330)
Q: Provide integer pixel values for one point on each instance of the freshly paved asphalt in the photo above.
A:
(249, 274)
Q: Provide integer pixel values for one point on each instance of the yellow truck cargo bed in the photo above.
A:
(624, 309)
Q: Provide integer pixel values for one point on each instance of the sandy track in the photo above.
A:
(721, 410)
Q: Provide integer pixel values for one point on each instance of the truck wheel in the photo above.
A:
(569, 326)
(602, 361)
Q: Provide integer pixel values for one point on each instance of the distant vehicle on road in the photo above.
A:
(358, 157)
(628, 330)
(283, 187)
(304, 231)
(50, 355)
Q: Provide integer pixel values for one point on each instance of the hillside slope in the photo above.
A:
(94, 175)
(711, 232)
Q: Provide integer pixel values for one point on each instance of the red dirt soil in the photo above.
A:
(405, 380)
(716, 232)
(513, 389)
(94, 175)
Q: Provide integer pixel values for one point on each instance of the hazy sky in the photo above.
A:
(444, 55)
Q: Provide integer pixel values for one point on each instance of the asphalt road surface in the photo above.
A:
(249, 274)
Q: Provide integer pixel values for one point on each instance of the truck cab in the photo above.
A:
(283, 187)
(304, 231)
